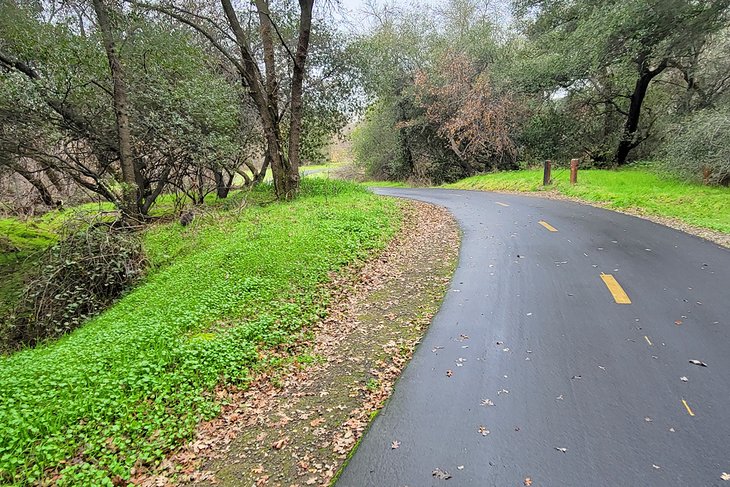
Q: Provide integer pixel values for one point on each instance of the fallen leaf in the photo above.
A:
(725, 476)
(697, 362)
(656, 466)
(460, 467)
(487, 402)
(449, 373)
(562, 450)
(441, 474)
(278, 445)
(683, 379)
(395, 444)
(483, 430)
(527, 481)
(648, 419)
(678, 322)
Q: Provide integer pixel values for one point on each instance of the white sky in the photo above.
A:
(353, 10)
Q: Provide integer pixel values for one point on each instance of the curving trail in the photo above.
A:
(537, 322)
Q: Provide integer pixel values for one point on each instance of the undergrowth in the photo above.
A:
(132, 383)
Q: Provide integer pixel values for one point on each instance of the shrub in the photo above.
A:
(700, 146)
(75, 279)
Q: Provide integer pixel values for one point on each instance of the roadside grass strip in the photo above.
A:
(630, 189)
(133, 383)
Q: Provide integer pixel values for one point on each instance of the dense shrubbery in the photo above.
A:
(699, 148)
(74, 279)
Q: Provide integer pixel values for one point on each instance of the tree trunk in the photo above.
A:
(629, 137)
(295, 127)
(29, 176)
(132, 181)
(223, 183)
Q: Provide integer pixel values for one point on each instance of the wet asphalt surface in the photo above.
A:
(585, 391)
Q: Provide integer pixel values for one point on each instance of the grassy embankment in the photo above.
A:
(133, 383)
(629, 189)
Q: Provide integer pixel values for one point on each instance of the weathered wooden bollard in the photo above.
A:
(546, 173)
(574, 171)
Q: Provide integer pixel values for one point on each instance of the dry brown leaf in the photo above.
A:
(449, 373)
(527, 481)
(395, 444)
(278, 445)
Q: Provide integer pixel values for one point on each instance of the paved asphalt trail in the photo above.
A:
(601, 379)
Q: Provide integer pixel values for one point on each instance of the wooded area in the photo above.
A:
(476, 86)
(127, 100)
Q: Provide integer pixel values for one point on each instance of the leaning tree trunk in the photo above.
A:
(629, 138)
(36, 182)
(132, 182)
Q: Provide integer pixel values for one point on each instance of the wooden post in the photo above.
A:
(573, 171)
(706, 172)
(546, 173)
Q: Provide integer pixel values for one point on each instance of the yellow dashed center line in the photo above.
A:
(619, 295)
(686, 406)
(647, 340)
(548, 226)
(502, 204)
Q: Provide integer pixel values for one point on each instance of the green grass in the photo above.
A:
(132, 383)
(631, 188)
(385, 184)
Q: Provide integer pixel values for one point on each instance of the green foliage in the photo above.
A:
(74, 279)
(699, 144)
(376, 143)
(593, 55)
(629, 188)
(132, 383)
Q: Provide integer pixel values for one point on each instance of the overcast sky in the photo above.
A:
(354, 17)
(354, 10)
